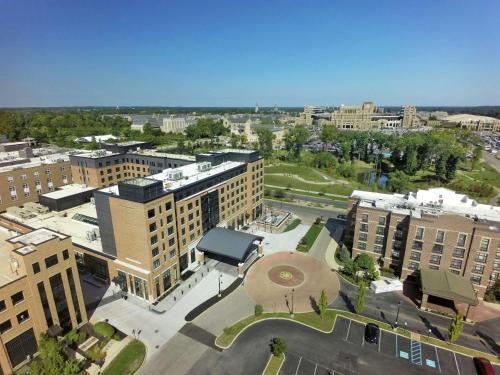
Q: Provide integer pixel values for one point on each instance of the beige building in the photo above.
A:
(39, 290)
(472, 122)
(434, 229)
(24, 176)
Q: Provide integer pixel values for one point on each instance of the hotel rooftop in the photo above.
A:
(432, 201)
(12, 160)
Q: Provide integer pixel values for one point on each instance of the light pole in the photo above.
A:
(397, 315)
(293, 290)
(220, 282)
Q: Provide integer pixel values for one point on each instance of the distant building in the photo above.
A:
(409, 114)
(96, 138)
(427, 229)
(177, 124)
(472, 122)
(310, 111)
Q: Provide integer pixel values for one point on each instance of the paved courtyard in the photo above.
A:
(278, 242)
(271, 279)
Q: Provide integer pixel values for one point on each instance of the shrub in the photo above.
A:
(278, 346)
(258, 310)
(104, 329)
(343, 254)
(75, 336)
(364, 261)
(350, 268)
(318, 220)
(95, 353)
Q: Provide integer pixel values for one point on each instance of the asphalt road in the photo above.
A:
(306, 213)
(343, 352)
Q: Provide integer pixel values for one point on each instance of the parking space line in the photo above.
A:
(397, 354)
(363, 342)
(297, 370)
(456, 363)
(348, 329)
(437, 359)
(315, 368)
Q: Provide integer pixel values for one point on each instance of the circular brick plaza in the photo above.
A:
(270, 281)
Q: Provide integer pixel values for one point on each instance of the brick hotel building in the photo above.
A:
(434, 229)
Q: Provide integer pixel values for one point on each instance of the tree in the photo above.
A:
(360, 303)
(456, 327)
(258, 310)
(410, 161)
(364, 261)
(440, 167)
(53, 360)
(234, 140)
(477, 154)
(451, 167)
(344, 254)
(265, 138)
(278, 346)
(493, 292)
(399, 182)
(350, 268)
(295, 139)
(322, 304)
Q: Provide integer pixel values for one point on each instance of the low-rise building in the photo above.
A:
(39, 290)
(435, 229)
(472, 122)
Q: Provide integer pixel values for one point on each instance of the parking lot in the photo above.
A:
(429, 358)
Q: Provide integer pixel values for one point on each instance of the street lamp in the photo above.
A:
(397, 315)
(220, 282)
(293, 290)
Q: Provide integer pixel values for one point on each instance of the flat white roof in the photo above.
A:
(149, 152)
(67, 190)
(96, 154)
(37, 237)
(190, 174)
(432, 201)
(32, 162)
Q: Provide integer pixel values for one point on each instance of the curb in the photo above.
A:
(279, 368)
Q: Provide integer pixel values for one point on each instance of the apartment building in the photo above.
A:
(39, 290)
(26, 174)
(103, 168)
(431, 229)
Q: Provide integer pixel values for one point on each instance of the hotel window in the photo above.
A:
(381, 220)
(485, 243)
(5, 326)
(458, 252)
(362, 236)
(462, 238)
(496, 266)
(364, 228)
(171, 242)
(380, 230)
(45, 304)
(152, 227)
(364, 218)
(419, 234)
(156, 264)
(65, 254)
(494, 276)
(168, 206)
(475, 279)
(478, 268)
(154, 239)
(57, 286)
(36, 267)
(379, 240)
(190, 206)
(170, 230)
(155, 252)
(23, 316)
(169, 219)
(151, 213)
(413, 266)
(417, 245)
(16, 298)
(437, 249)
(172, 253)
(435, 259)
(415, 255)
(456, 263)
(2, 305)
(497, 255)
(377, 249)
(51, 261)
(440, 236)
(362, 245)
(480, 257)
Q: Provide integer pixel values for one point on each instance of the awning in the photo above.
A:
(228, 243)
(444, 284)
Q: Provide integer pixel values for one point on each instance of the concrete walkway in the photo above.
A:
(112, 349)
(304, 191)
(277, 242)
(332, 249)
(158, 325)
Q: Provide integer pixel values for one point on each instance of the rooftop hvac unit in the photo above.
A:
(175, 174)
(92, 200)
(97, 233)
(91, 236)
(204, 166)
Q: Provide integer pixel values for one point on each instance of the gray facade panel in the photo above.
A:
(105, 223)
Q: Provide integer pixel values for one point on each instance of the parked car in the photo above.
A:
(483, 366)
(372, 332)
(342, 216)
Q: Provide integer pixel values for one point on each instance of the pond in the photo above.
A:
(369, 178)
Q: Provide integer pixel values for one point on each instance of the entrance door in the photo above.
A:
(22, 346)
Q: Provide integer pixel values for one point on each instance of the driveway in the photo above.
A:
(278, 242)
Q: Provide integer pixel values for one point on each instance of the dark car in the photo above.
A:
(342, 216)
(483, 366)
(372, 333)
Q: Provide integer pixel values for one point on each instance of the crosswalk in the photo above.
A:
(416, 352)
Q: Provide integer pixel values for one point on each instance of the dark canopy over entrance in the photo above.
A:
(228, 244)
(447, 285)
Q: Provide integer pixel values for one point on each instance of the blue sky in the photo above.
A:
(237, 53)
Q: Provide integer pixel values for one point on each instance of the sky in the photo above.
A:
(239, 53)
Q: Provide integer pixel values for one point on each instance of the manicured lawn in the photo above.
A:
(297, 195)
(294, 224)
(486, 174)
(128, 360)
(305, 172)
(293, 183)
(274, 365)
(310, 237)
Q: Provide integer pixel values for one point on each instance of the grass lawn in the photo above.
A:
(274, 365)
(310, 237)
(305, 172)
(297, 195)
(128, 360)
(293, 183)
(486, 174)
(294, 224)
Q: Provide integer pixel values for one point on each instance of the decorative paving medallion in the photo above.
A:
(288, 276)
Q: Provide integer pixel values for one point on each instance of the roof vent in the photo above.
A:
(204, 166)
(175, 174)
